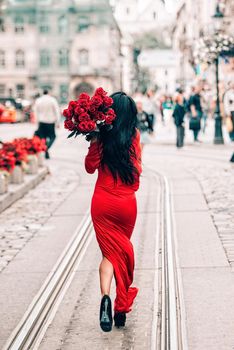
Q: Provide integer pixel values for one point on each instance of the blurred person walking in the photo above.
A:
(195, 112)
(150, 107)
(116, 154)
(144, 124)
(178, 115)
(206, 98)
(48, 115)
(228, 103)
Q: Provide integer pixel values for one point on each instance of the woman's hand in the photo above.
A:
(93, 140)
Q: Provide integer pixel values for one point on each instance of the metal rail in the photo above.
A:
(34, 323)
(171, 326)
(170, 330)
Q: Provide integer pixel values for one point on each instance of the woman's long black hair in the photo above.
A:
(116, 143)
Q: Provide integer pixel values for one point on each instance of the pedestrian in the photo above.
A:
(178, 115)
(205, 104)
(150, 107)
(144, 124)
(116, 154)
(195, 112)
(48, 116)
(161, 101)
(228, 102)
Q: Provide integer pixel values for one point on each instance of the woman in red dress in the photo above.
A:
(116, 154)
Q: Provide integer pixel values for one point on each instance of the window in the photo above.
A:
(127, 10)
(44, 23)
(62, 25)
(154, 15)
(45, 58)
(84, 57)
(63, 57)
(2, 27)
(19, 24)
(19, 59)
(83, 24)
(2, 90)
(20, 90)
(2, 58)
(63, 93)
(32, 18)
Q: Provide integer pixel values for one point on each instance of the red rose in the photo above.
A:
(92, 109)
(91, 125)
(84, 96)
(107, 101)
(109, 119)
(68, 124)
(83, 104)
(111, 112)
(99, 116)
(72, 105)
(67, 113)
(83, 117)
(96, 101)
(100, 91)
(87, 126)
(79, 110)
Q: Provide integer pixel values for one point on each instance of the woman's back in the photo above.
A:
(105, 179)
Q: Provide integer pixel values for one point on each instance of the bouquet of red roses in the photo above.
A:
(88, 115)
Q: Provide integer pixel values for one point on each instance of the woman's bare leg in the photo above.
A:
(106, 273)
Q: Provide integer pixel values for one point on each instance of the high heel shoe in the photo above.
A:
(105, 317)
(120, 319)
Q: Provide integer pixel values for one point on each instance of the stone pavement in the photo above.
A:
(201, 184)
(76, 324)
(202, 181)
(26, 217)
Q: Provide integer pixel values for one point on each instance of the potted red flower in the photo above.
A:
(20, 154)
(7, 164)
(88, 115)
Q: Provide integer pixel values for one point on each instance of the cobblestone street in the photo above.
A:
(35, 230)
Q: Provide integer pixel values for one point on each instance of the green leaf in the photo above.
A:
(72, 134)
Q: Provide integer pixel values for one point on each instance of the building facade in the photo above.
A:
(136, 16)
(195, 19)
(161, 65)
(65, 46)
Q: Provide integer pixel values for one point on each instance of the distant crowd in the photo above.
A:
(197, 105)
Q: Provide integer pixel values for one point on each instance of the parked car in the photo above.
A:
(10, 110)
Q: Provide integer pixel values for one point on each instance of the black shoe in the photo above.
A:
(47, 155)
(105, 318)
(120, 319)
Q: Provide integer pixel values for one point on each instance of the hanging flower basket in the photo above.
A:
(4, 176)
(17, 175)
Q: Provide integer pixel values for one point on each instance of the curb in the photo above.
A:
(18, 191)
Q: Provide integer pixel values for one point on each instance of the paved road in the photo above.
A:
(44, 220)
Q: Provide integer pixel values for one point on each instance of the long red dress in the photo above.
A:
(114, 211)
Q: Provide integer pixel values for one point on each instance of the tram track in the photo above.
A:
(167, 325)
(170, 328)
(33, 325)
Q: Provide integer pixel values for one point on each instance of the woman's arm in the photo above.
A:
(93, 158)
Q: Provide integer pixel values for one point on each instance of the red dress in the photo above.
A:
(114, 213)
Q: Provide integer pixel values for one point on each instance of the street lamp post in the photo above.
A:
(218, 137)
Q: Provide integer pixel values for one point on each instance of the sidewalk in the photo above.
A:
(204, 260)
